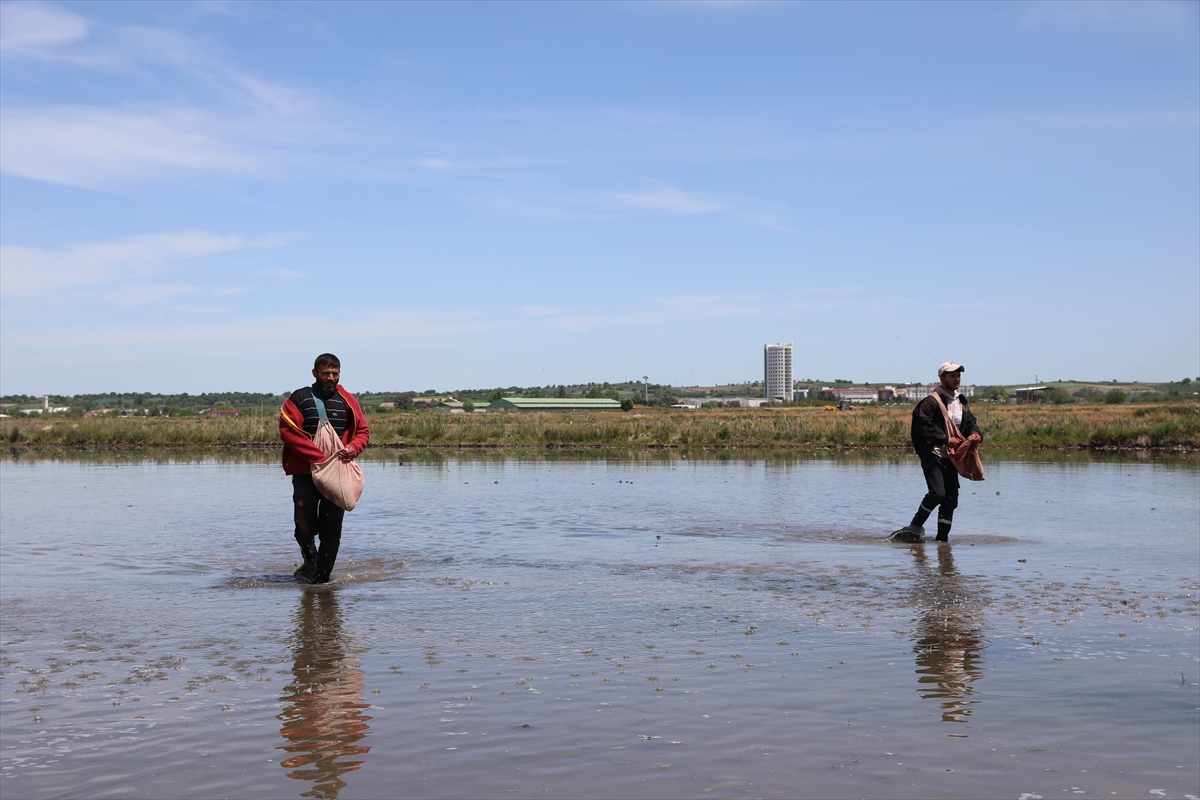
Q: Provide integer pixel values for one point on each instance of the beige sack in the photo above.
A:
(340, 482)
(963, 451)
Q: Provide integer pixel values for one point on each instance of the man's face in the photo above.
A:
(951, 380)
(328, 377)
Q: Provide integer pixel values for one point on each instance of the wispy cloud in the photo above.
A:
(220, 118)
(655, 311)
(542, 311)
(97, 147)
(671, 200)
(1124, 15)
(148, 294)
(32, 270)
(37, 30)
(393, 325)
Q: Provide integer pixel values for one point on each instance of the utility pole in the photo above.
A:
(646, 384)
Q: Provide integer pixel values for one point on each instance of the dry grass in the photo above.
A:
(1009, 427)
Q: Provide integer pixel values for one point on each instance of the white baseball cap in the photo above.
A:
(950, 366)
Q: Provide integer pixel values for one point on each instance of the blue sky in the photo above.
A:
(203, 196)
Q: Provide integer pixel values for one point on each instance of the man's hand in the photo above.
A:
(346, 455)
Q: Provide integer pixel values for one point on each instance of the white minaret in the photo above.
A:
(777, 371)
(45, 404)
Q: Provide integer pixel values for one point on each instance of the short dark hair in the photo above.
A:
(327, 360)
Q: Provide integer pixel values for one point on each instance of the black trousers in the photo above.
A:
(316, 518)
(942, 481)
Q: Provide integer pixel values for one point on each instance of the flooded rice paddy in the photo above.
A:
(504, 627)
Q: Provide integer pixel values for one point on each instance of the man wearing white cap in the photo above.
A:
(929, 440)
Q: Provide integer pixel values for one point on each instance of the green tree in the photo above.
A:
(562, 390)
(495, 394)
(1060, 396)
(1114, 397)
(468, 406)
(626, 405)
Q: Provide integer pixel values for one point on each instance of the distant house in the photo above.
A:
(554, 404)
(860, 394)
(1032, 394)
(223, 413)
(744, 402)
(95, 412)
(430, 401)
(850, 394)
(921, 391)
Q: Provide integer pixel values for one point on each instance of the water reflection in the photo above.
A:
(949, 637)
(323, 719)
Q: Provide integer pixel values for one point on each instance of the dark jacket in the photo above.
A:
(299, 450)
(929, 423)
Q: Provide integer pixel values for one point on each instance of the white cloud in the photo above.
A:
(32, 270)
(671, 200)
(95, 147)
(231, 122)
(147, 294)
(679, 309)
(1120, 15)
(35, 29)
(542, 311)
(265, 332)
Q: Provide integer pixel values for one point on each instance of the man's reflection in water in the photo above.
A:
(323, 721)
(949, 638)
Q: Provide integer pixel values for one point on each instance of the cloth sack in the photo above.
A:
(962, 451)
(340, 482)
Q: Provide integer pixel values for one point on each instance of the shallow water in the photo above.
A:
(578, 628)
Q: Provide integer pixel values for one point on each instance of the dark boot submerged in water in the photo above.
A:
(909, 534)
(308, 569)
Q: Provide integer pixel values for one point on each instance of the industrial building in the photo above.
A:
(857, 394)
(921, 391)
(554, 404)
(777, 371)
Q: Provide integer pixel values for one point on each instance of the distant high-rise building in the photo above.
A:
(777, 371)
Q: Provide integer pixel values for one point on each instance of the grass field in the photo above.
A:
(1166, 426)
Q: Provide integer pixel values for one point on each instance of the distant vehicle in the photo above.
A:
(831, 408)
(846, 407)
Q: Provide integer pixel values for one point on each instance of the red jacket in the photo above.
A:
(299, 451)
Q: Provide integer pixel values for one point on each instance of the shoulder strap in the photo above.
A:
(320, 409)
(952, 431)
(934, 395)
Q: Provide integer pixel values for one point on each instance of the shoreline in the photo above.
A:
(1150, 428)
(267, 447)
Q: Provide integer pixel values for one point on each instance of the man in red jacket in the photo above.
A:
(317, 517)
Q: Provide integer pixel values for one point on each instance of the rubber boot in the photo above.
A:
(909, 534)
(307, 570)
(943, 534)
(325, 559)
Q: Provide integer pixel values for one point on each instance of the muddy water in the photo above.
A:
(583, 628)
